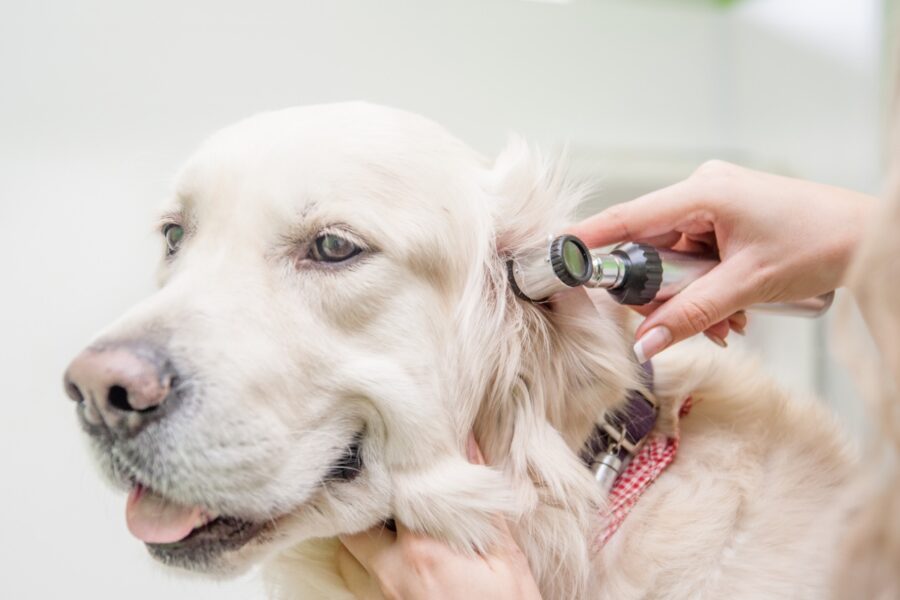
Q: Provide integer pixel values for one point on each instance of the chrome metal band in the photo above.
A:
(609, 271)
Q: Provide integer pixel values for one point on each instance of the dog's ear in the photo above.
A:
(565, 347)
(533, 198)
(539, 376)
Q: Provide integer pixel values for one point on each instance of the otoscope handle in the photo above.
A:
(647, 274)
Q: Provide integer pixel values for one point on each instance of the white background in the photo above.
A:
(101, 100)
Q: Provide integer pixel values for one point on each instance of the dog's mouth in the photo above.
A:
(172, 530)
(191, 536)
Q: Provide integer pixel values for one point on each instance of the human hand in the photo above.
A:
(778, 239)
(381, 564)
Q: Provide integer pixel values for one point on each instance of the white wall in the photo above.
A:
(100, 100)
(808, 102)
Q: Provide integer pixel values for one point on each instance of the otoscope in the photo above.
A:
(634, 274)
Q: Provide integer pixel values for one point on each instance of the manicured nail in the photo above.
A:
(652, 343)
(738, 323)
(716, 340)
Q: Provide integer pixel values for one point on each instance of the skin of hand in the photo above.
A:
(381, 564)
(778, 239)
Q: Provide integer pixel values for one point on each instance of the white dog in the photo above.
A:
(334, 316)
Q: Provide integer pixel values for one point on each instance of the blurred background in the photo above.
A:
(101, 100)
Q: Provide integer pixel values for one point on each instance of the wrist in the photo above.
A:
(860, 210)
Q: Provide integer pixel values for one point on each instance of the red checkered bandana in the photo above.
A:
(654, 456)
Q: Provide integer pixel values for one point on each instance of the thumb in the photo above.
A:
(723, 291)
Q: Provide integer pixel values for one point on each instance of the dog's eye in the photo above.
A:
(173, 234)
(329, 247)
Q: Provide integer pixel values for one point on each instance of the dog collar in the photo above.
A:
(620, 435)
(626, 455)
(642, 469)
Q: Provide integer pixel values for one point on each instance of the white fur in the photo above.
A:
(422, 341)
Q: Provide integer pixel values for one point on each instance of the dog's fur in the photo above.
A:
(420, 339)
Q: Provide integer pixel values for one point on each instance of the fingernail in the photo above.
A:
(652, 343)
(738, 323)
(716, 340)
(473, 452)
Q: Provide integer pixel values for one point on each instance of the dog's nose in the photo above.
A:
(121, 387)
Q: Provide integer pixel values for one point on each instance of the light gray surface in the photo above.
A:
(101, 100)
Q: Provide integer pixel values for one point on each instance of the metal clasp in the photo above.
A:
(608, 470)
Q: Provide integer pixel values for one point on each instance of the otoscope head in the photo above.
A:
(565, 262)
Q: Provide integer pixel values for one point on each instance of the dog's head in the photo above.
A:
(333, 318)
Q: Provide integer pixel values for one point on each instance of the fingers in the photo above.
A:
(646, 309)
(738, 322)
(655, 214)
(717, 334)
(358, 580)
(410, 564)
(706, 304)
(666, 240)
(367, 545)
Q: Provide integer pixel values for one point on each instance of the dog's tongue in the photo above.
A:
(155, 520)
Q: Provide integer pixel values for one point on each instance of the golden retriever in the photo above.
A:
(334, 317)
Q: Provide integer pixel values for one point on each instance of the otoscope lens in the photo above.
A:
(574, 259)
(570, 260)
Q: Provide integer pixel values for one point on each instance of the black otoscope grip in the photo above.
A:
(643, 274)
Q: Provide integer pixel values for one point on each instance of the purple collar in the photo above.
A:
(620, 433)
